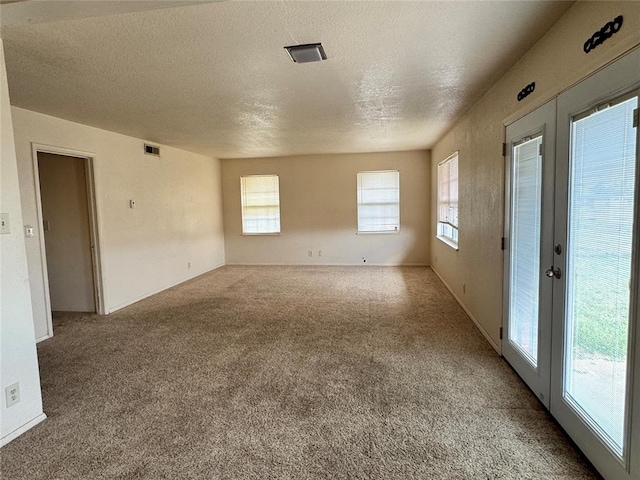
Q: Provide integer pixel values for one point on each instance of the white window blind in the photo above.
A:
(448, 199)
(260, 204)
(379, 201)
(526, 225)
(600, 260)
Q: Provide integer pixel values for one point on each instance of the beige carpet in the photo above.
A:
(287, 372)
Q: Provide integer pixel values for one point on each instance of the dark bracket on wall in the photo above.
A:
(603, 34)
(526, 91)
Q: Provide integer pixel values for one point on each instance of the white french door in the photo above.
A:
(530, 161)
(594, 373)
(585, 265)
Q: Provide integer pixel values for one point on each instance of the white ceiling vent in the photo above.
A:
(151, 150)
(310, 52)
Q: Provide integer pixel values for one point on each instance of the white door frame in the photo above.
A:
(94, 230)
(612, 82)
(542, 121)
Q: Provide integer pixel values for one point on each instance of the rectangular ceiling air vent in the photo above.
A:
(310, 52)
(151, 150)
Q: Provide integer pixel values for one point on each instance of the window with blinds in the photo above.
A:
(260, 204)
(448, 200)
(379, 201)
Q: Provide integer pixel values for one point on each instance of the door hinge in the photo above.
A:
(635, 118)
(500, 333)
(540, 149)
(504, 149)
(502, 244)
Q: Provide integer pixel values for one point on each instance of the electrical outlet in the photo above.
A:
(28, 231)
(364, 260)
(132, 204)
(12, 393)
(5, 227)
(319, 253)
(310, 253)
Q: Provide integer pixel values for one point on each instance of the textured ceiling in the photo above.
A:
(214, 78)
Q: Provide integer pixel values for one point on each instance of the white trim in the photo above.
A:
(361, 264)
(98, 275)
(276, 234)
(162, 289)
(20, 430)
(449, 158)
(39, 229)
(99, 279)
(43, 338)
(473, 319)
(448, 242)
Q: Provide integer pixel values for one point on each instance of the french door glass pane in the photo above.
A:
(525, 248)
(600, 216)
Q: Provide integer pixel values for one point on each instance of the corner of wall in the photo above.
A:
(18, 357)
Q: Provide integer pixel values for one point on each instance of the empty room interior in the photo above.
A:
(319, 239)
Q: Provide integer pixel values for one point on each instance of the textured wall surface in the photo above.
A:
(318, 209)
(177, 219)
(18, 360)
(555, 63)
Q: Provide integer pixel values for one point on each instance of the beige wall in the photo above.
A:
(65, 208)
(555, 63)
(18, 360)
(318, 211)
(177, 219)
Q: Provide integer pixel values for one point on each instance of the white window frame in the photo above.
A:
(243, 206)
(443, 226)
(360, 202)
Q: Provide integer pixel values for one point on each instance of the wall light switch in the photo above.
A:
(132, 204)
(28, 231)
(5, 227)
(12, 393)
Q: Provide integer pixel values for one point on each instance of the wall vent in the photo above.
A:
(310, 52)
(151, 150)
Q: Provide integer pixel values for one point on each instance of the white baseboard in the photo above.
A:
(44, 337)
(147, 295)
(240, 264)
(473, 319)
(20, 430)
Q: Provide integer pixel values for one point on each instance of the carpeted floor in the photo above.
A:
(287, 372)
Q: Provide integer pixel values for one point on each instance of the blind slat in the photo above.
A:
(379, 201)
(260, 204)
(448, 198)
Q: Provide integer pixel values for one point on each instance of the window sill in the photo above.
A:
(390, 232)
(259, 234)
(448, 242)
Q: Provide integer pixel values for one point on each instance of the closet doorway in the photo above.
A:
(68, 232)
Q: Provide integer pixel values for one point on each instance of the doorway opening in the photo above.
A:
(68, 232)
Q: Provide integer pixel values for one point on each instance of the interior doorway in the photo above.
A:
(68, 232)
(67, 235)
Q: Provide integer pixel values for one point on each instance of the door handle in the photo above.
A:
(553, 272)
